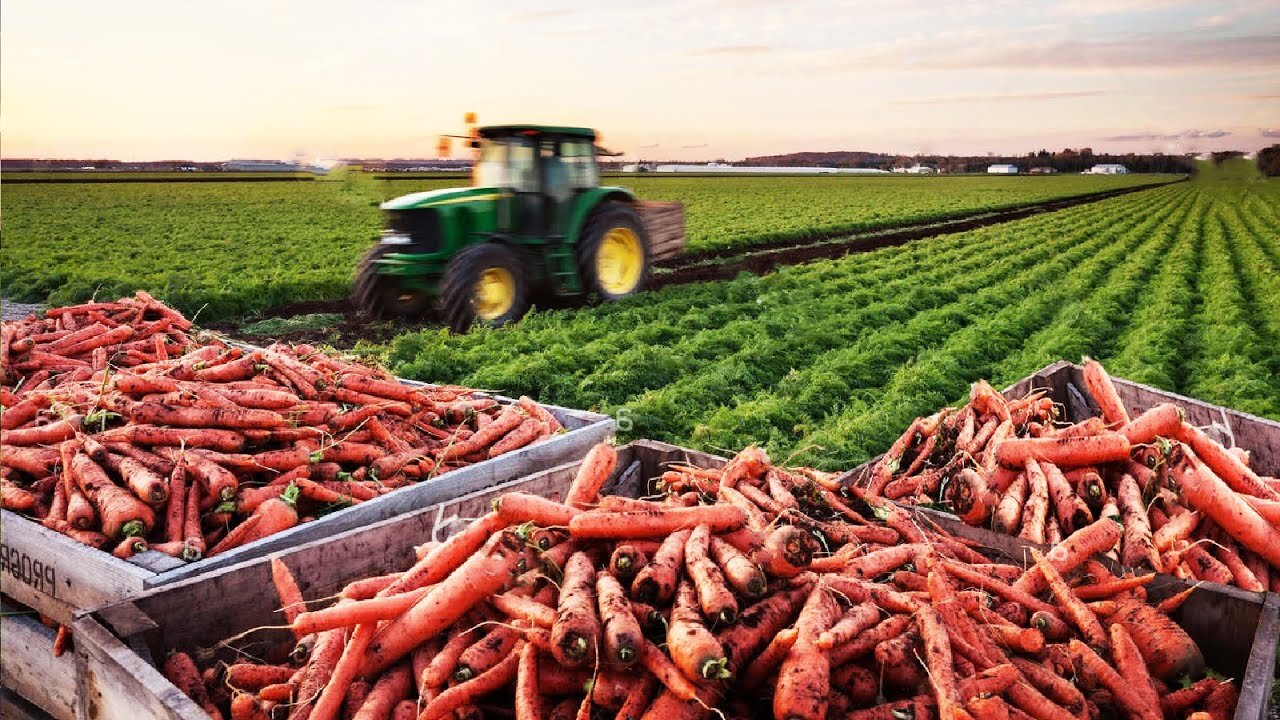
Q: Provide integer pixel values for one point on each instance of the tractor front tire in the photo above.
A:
(486, 284)
(381, 296)
(613, 252)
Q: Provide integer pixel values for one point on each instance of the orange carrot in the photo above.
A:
(1072, 552)
(486, 652)
(803, 687)
(1167, 649)
(1162, 420)
(356, 612)
(524, 434)
(742, 574)
(467, 692)
(443, 560)
(528, 700)
(1225, 465)
(1178, 529)
(694, 650)
(576, 632)
(521, 608)
(475, 580)
(1125, 694)
(767, 662)
(1008, 515)
(1074, 608)
(622, 634)
(129, 547)
(122, 513)
(253, 677)
(714, 596)
(517, 508)
(390, 689)
(1098, 383)
(656, 582)
(1207, 492)
(1064, 451)
(1037, 505)
(656, 523)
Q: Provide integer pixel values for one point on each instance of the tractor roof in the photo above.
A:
(504, 130)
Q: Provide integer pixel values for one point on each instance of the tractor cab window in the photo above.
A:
(579, 157)
(506, 163)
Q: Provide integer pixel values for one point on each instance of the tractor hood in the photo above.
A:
(444, 196)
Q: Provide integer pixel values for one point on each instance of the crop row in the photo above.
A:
(830, 360)
(222, 249)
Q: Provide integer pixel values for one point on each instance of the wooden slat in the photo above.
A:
(13, 707)
(55, 574)
(29, 669)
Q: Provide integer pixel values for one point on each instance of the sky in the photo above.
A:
(668, 79)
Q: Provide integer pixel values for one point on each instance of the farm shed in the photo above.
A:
(1002, 169)
(1108, 169)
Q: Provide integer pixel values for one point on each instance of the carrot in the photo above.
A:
(253, 677)
(1126, 695)
(467, 692)
(61, 640)
(1064, 451)
(1131, 667)
(576, 632)
(1167, 649)
(983, 581)
(640, 698)
(129, 547)
(656, 582)
(245, 706)
(1242, 575)
(528, 700)
(356, 612)
(181, 670)
(1138, 548)
(803, 686)
(656, 523)
(1176, 530)
(1098, 383)
(521, 608)
(622, 634)
(191, 417)
(534, 410)
(938, 661)
(1008, 515)
(1162, 420)
(1207, 492)
(1074, 608)
(51, 434)
(1176, 703)
(442, 664)
(476, 579)
(507, 421)
(854, 622)
(219, 482)
(1108, 589)
(972, 498)
(694, 650)
(486, 652)
(122, 513)
(524, 434)
(742, 574)
(626, 561)
(1072, 552)
(714, 596)
(1225, 465)
(767, 662)
(760, 622)
(273, 516)
(1037, 505)
(884, 470)
(443, 560)
(80, 512)
(517, 508)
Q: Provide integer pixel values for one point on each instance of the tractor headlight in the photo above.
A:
(396, 240)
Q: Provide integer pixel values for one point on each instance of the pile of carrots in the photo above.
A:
(1188, 506)
(748, 591)
(194, 448)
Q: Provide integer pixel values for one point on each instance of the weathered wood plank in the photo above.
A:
(55, 574)
(29, 669)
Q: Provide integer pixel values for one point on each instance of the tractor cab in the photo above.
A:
(535, 221)
(542, 169)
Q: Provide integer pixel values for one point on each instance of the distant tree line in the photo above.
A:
(1269, 161)
(1067, 160)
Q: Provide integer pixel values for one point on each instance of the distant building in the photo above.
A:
(921, 170)
(1108, 169)
(1044, 170)
(1002, 169)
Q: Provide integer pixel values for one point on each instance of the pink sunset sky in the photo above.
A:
(677, 79)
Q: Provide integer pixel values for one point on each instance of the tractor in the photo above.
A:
(536, 223)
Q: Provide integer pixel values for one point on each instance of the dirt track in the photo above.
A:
(692, 268)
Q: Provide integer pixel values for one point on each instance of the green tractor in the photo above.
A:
(535, 223)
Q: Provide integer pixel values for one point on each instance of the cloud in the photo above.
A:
(1139, 52)
(350, 107)
(1269, 132)
(732, 50)
(1184, 135)
(1014, 97)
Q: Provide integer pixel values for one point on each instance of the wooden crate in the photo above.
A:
(1236, 630)
(58, 576)
(664, 222)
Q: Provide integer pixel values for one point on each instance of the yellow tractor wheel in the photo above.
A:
(613, 252)
(483, 284)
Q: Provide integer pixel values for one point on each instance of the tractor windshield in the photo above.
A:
(507, 163)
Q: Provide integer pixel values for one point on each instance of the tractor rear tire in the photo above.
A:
(613, 252)
(381, 296)
(486, 283)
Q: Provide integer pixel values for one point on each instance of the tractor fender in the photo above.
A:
(588, 202)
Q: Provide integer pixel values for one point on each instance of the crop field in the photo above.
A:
(1178, 287)
(226, 249)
